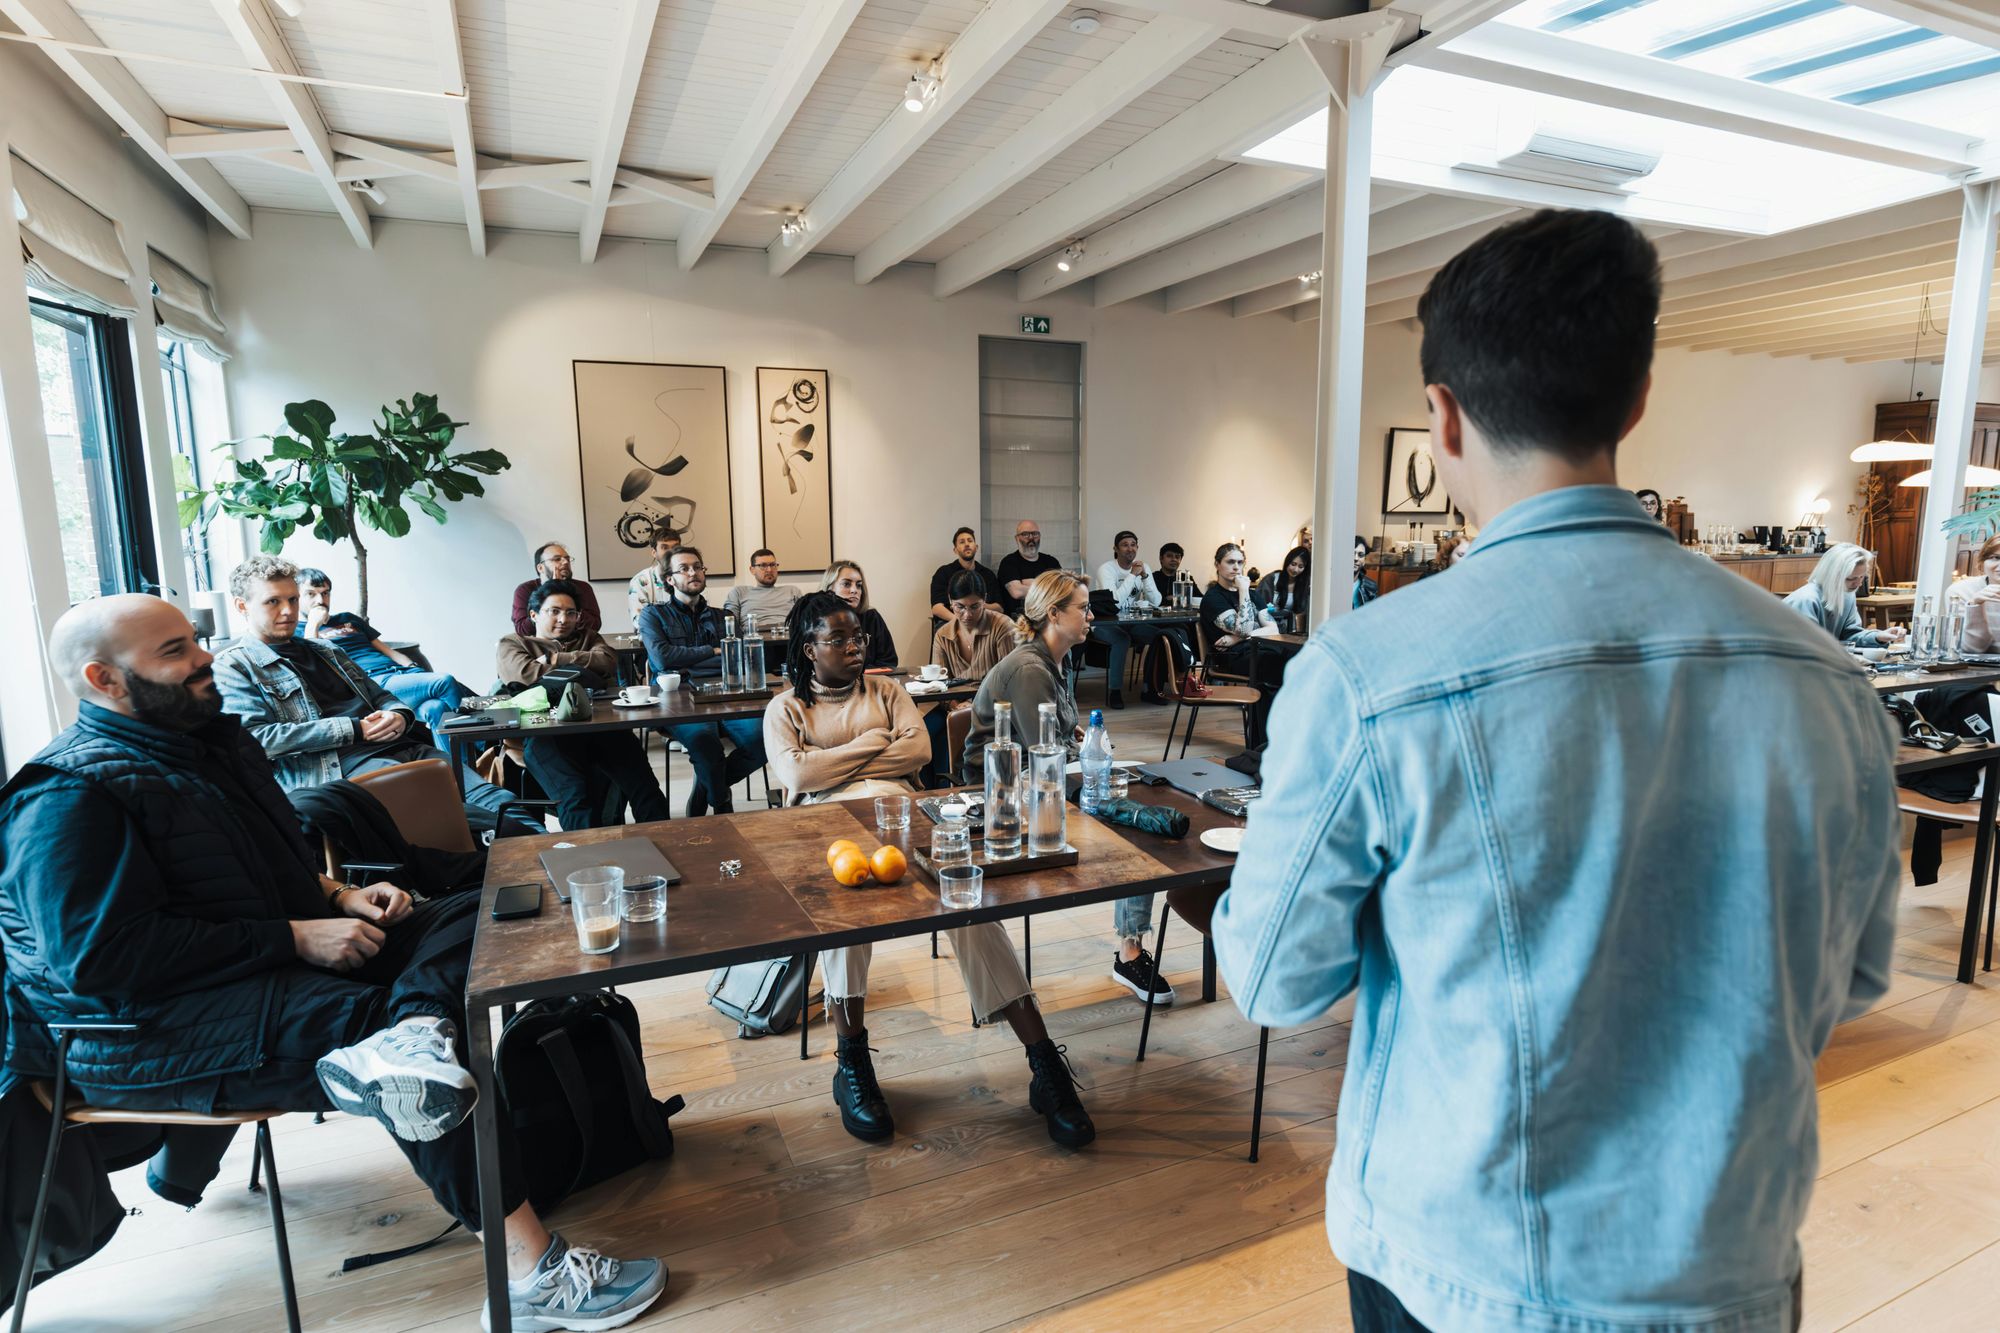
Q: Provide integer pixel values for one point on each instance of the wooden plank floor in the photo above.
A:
(771, 1216)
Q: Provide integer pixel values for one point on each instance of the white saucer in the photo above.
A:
(1228, 840)
(616, 702)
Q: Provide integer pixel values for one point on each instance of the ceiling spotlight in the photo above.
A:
(1309, 278)
(923, 88)
(371, 191)
(791, 229)
(1071, 256)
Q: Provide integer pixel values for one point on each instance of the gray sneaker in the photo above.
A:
(406, 1076)
(574, 1287)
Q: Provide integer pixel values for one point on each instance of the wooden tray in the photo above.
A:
(1020, 865)
(704, 693)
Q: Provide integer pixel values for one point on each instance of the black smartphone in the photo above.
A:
(513, 901)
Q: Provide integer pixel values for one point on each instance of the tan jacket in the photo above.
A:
(991, 642)
(873, 731)
(520, 657)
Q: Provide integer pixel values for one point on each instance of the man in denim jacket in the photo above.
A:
(1603, 869)
(319, 716)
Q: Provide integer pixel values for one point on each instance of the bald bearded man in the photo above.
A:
(152, 872)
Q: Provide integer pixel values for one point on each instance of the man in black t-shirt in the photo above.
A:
(1168, 569)
(966, 542)
(1023, 566)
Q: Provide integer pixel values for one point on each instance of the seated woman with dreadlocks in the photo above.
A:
(839, 735)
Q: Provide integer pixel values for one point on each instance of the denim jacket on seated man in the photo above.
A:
(1604, 839)
(263, 689)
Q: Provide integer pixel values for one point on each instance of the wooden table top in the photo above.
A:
(1896, 682)
(1889, 598)
(785, 900)
(1914, 759)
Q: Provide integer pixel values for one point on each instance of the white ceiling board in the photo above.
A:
(709, 59)
(536, 69)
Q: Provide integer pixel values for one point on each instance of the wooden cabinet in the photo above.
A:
(1789, 573)
(1896, 539)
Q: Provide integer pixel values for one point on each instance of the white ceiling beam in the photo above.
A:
(665, 191)
(635, 39)
(1231, 16)
(409, 162)
(1888, 349)
(108, 83)
(1728, 254)
(1855, 258)
(814, 38)
(981, 51)
(1425, 253)
(1544, 63)
(1431, 23)
(1973, 20)
(1866, 275)
(458, 120)
(1141, 61)
(1285, 262)
(534, 173)
(1835, 305)
(1277, 296)
(256, 34)
(1780, 325)
(1209, 202)
(291, 159)
(243, 143)
(1834, 333)
(1283, 87)
(1398, 221)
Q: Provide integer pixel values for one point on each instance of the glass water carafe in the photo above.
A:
(1003, 788)
(1047, 801)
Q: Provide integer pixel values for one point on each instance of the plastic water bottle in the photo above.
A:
(1096, 763)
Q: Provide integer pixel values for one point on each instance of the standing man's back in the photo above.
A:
(1604, 838)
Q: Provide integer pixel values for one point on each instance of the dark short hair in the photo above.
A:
(539, 550)
(664, 534)
(963, 532)
(1172, 548)
(667, 563)
(807, 615)
(548, 588)
(965, 583)
(313, 578)
(761, 552)
(1543, 330)
(1225, 549)
(1122, 536)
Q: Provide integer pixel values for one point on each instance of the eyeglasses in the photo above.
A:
(689, 569)
(763, 564)
(841, 643)
(1024, 536)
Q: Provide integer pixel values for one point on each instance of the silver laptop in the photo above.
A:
(638, 856)
(1196, 777)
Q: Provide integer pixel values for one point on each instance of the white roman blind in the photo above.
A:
(71, 250)
(185, 307)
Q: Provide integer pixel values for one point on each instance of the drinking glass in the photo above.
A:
(1924, 638)
(951, 840)
(960, 886)
(593, 904)
(892, 812)
(1953, 642)
(644, 899)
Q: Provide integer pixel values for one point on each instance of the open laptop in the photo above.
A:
(1196, 777)
(639, 857)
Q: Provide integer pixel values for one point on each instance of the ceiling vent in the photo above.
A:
(1539, 153)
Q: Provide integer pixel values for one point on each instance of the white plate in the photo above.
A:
(633, 703)
(1228, 840)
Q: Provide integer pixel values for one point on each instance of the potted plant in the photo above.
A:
(335, 484)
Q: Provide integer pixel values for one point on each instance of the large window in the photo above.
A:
(175, 368)
(1030, 444)
(89, 417)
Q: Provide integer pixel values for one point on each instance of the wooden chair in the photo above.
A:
(1243, 698)
(1263, 1033)
(957, 726)
(57, 1093)
(1965, 814)
(423, 802)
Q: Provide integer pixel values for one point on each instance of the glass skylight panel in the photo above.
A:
(1829, 30)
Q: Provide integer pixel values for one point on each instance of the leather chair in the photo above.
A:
(424, 804)
(957, 726)
(1243, 698)
(56, 1092)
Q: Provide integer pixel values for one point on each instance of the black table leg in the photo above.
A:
(1207, 970)
(486, 1153)
(1982, 851)
(456, 748)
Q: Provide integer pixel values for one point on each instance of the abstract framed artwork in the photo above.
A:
(1410, 485)
(795, 459)
(653, 444)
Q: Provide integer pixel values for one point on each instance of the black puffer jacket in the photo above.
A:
(134, 889)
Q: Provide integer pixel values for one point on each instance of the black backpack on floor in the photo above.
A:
(573, 1087)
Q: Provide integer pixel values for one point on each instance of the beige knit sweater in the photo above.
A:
(870, 730)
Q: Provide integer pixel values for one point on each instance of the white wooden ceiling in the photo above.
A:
(633, 118)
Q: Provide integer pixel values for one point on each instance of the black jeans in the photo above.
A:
(576, 772)
(714, 775)
(1376, 1310)
(420, 971)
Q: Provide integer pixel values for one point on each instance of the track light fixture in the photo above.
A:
(791, 229)
(1071, 256)
(371, 191)
(1309, 278)
(923, 88)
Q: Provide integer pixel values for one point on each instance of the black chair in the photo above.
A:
(65, 1110)
(1263, 1033)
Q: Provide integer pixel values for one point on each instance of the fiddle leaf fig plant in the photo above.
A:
(334, 484)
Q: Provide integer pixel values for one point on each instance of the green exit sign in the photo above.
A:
(1034, 323)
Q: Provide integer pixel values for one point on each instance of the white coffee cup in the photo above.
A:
(931, 671)
(1873, 654)
(636, 694)
(669, 681)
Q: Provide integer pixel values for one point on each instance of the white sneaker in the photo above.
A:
(407, 1077)
(574, 1287)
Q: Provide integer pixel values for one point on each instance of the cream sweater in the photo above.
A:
(870, 730)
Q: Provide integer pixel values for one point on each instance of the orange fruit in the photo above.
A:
(851, 868)
(888, 864)
(834, 849)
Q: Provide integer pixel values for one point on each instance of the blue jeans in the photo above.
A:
(433, 695)
(714, 775)
(1131, 918)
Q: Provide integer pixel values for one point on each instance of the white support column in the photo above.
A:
(1964, 349)
(1349, 64)
(156, 440)
(32, 709)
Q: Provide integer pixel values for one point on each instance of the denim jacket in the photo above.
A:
(1604, 839)
(261, 687)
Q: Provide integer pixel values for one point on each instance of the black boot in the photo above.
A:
(697, 804)
(863, 1111)
(1114, 699)
(1052, 1094)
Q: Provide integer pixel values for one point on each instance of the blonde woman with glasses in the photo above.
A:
(844, 579)
(1827, 598)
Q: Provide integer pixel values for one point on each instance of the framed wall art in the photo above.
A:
(653, 443)
(795, 458)
(1410, 485)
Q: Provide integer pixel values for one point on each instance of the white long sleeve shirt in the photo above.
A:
(1128, 586)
